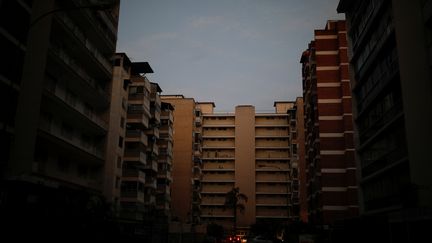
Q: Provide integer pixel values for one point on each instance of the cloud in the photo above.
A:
(206, 21)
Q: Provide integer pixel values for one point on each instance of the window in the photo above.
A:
(136, 90)
(71, 98)
(126, 82)
(117, 182)
(63, 164)
(82, 171)
(85, 141)
(294, 149)
(88, 110)
(119, 162)
(117, 62)
(122, 122)
(120, 142)
(124, 103)
(66, 131)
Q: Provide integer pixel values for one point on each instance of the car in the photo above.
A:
(260, 239)
(233, 239)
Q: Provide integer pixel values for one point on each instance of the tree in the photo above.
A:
(234, 200)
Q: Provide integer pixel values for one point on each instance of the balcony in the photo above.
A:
(277, 122)
(135, 156)
(89, 87)
(197, 161)
(133, 175)
(167, 116)
(152, 131)
(151, 183)
(138, 118)
(102, 26)
(76, 32)
(151, 165)
(164, 174)
(71, 139)
(198, 121)
(77, 106)
(272, 178)
(150, 200)
(153, 151)
(132, 196)
(272, 133)
(136, 136)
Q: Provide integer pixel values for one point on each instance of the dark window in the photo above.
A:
(63, 164)
(122, 122)
(120, 142)
(119, 162)
(126, 82)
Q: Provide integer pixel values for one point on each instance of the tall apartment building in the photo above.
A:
(139, 209)
(165, 158)
(390, 57)
(117, 129)
(297, 162)
(186, 168)
(56, 85)
(329, 142)
(251, 151)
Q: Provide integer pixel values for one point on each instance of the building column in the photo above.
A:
(245, 161)
(32, 86)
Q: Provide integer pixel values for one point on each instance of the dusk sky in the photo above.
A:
(231, 52)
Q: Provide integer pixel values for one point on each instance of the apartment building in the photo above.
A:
(297, 163)
(329, 142)
(56, 87)
(165, 158)
(117, 129)
(251, 151)
(140, 168)
(390, 58)
(186, 168)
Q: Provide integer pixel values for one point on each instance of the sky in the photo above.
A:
(230, 52)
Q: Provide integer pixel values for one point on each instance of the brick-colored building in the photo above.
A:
(329, 143)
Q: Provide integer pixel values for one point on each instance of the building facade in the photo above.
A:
(117, 129)
(186, 168)
(57, 87)
(390, 43)
(298, 163)
(250, 151)
(145, 183)
(329, 142)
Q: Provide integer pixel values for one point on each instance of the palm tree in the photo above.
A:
(234, 199)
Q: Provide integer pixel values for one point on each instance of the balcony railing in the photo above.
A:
(133, 174)
(132, 196)
(78, 106)
(135, 155)
(151, 165)
(55, 130)
(75, 30)
(79, 71)
(138, 118)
